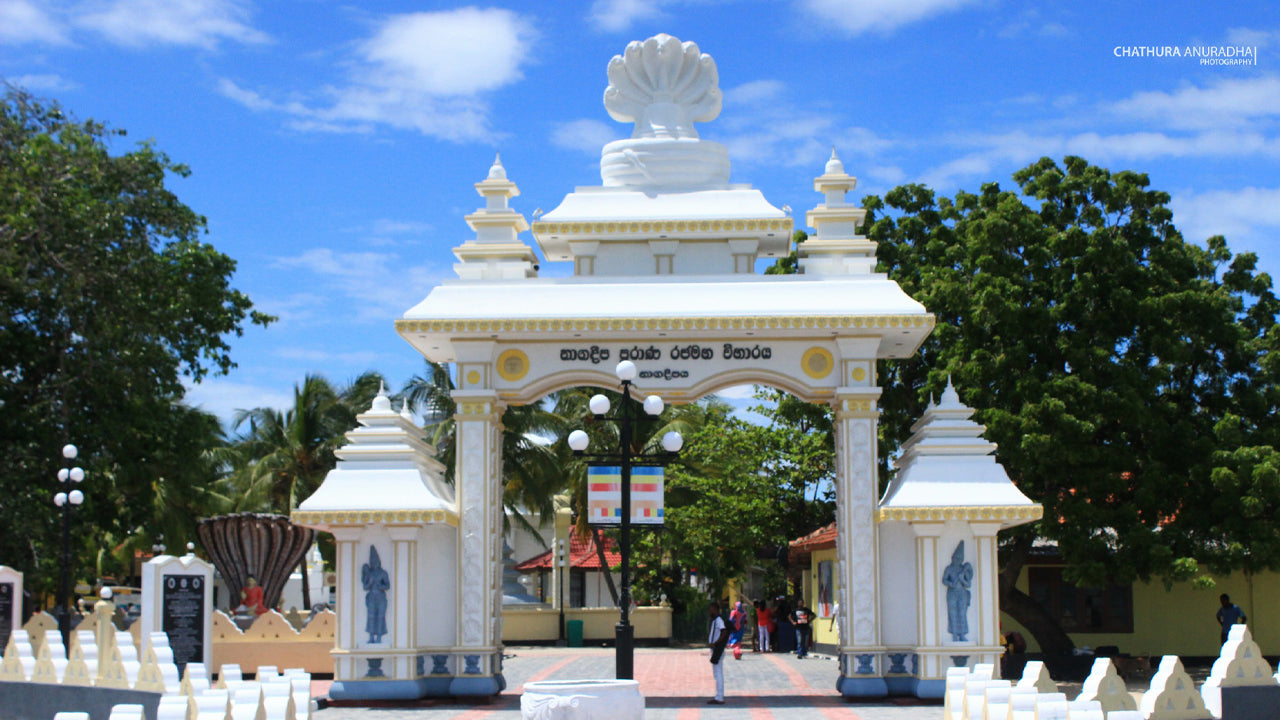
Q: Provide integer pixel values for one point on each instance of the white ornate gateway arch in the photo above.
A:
(664, 253)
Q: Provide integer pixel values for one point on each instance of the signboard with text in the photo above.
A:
(182, 617)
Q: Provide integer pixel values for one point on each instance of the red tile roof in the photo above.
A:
(823, 537)
(582, 555)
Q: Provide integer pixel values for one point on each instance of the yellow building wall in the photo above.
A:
(825, 630)
(543, 624)
(1180, 620)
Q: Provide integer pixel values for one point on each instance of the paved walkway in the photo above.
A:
(676, 685)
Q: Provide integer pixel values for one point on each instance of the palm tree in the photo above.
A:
(532, 469)
(282, 457)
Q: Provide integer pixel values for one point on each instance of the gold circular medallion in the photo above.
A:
(473, 378)
(513, 365)
(817, 363)
(859, 374)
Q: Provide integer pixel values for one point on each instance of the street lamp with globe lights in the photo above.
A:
(68, 497)
(625, 458)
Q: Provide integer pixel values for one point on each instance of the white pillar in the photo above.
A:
(404, 600)
(10, 602)
(861, 653)
(986, 589)
(347, 541)
(478, 482)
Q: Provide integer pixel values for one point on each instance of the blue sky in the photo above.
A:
(334, 145)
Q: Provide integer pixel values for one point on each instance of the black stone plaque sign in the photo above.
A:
(182, 613)
(6, 613)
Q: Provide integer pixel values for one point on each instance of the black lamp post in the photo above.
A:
(625, 458)
(562, 567)
(67, 498)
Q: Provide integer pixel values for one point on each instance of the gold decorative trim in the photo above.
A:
(857, 406)
(544, 325)
(371, 517)
(473, 378)
(1025, 513)
(513, 365)
(662, 226)
(474, 409)
(817, 362)
(859, 374)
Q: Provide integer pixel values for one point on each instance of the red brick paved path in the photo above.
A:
(676, 685)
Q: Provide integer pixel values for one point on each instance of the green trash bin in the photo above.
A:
(574, 630)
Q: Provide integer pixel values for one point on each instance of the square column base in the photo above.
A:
(378, 689)
(417, 689)
(862, 686)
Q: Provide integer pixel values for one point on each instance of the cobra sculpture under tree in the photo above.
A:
(264, 547)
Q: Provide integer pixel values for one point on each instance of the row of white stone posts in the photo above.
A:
(1240, 686)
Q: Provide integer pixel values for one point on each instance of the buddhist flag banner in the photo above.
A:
(604, 495)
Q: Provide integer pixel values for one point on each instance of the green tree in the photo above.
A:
(1100, 350)
(108, 298)
(739, 488)
(282, 456)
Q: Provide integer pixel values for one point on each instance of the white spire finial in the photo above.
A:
(404, 410)
(834, 166)
(949, 395)
(381, 404)
(496, 171)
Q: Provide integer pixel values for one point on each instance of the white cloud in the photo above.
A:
(46, 82)
(766, 129)
(619, 15)
(1225, 102)
(754, 92)
(1251, 37)
(316, 357)
(856, 17)
(457, 52)
(386, 226)
(1241, 215)
(1031, 21)
(194, 23)
(372, 286)
(737, 392)
(224, 397)
(587, 136)
(1018, 148)
(24, 21)
(424, 71)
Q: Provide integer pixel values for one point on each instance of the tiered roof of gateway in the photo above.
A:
(665, 213)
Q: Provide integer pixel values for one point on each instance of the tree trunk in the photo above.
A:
(1049, 635)
(604, 565)
(306, 584)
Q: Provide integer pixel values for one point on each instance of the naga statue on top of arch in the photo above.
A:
(664, 86)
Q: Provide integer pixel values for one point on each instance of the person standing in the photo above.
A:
(803, 618)
(762, 626)
(717, 638)
(737, 628)
(1229, 614)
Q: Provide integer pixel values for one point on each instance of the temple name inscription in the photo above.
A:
(728, 351)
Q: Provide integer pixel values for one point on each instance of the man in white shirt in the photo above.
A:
(717, 638)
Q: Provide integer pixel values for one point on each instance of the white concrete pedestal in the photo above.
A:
(582, 700)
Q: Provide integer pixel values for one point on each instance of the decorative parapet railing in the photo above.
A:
(1241, 685)
(273, 640)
